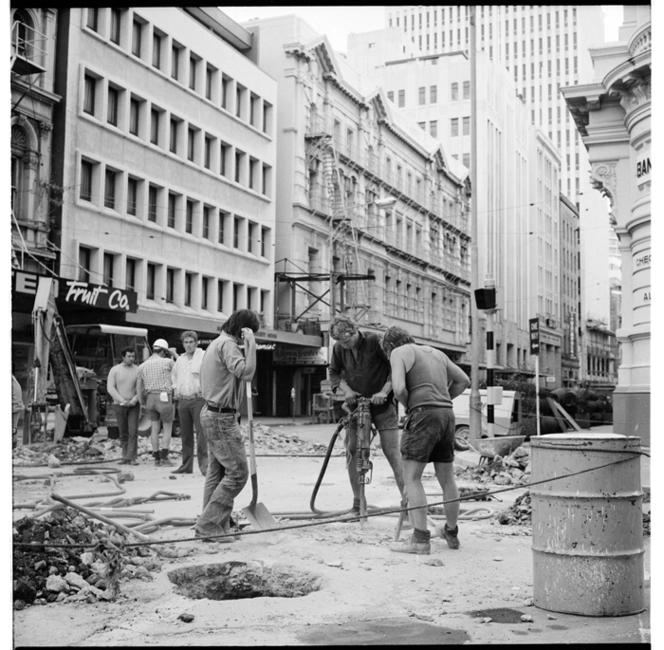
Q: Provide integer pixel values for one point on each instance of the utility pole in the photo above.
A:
(475, 410)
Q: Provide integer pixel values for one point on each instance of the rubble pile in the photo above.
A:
(500, 470)
(268, 441)
(519, 514)
(51, 572)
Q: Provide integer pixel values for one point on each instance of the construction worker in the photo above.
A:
(17, 408)
(155, 391)
(360, 368)
(425, 382)
(224, 371)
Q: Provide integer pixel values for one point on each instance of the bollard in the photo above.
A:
(588, 554)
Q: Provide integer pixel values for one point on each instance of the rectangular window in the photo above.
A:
(189, 224)
(422, 95)
(188, 286)
(136, 38)
(206, 222)
(84, 264)
(205, 292)
(193, 65)
(191, 142)
(250, 237)
(132, 196)
(223, 161)
(239, 101)
(433, 94)
(113, 103)
(220, 295)
(89, 94)
(154, 126)
(236, 232)
(175, 62)
(170, 285)
(207, 153)
(222, 227)
(171, 210)
(93, 19)
(455, 92)
(390, 95)
(134, 112)
(225, 82)
(151, 283)
(152, 203)
(466, 160)
(109, 267)
(264, 236)
(109, 189)
(130, 275)
(455, 126)
(433, 128)
(209, 76)
(466, 126)
(466, 89)
(402, 98)
(173, 145)
(422, 125)
(116, 24)
(156, 51)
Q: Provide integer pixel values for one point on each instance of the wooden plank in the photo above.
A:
(569, 418)
(554, 408)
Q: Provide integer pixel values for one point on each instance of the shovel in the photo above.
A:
(257, 514)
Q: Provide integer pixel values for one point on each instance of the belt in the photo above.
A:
(215, 408)
(419, 409)
(190, 396)
(159, 390)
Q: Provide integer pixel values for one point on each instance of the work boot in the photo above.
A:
(410, 545)
(157, 458)
(164, 458)
(449, 535)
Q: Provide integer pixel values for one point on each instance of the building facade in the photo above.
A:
(372, 213)
(613, 117)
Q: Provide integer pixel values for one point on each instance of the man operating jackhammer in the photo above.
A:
(426, 381)
(360, 368)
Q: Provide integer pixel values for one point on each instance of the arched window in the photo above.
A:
(24, 33)
(20, 148)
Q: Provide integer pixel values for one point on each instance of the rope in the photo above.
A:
(344, 519)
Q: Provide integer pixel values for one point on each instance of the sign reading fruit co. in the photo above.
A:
(95, 295)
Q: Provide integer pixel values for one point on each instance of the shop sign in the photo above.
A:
(300, 356)
(23, 282)
(75, 292)
(572, 335)
(643, 169)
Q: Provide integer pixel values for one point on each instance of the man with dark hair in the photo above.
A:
(223, 372)
(155, 390)
(186, 378)
(359, 366)
(121, 385)
(426, 381)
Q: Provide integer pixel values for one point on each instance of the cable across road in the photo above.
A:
(318, 520)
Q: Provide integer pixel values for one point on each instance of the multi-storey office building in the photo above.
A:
(33, 194)
(165, 145)
(544, 48)
(613, 115)
(362, 193)
(515, 189)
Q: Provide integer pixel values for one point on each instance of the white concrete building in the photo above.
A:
(613, 116)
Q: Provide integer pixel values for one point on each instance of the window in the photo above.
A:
(236, 232)
(152, 203)
(455, 92)
(207, 153)
(466, 125)
(86, 180)
(109, 189)
(154, 126)
(173, 145)
(455, 126)
(156, 51)
(402, 98)
(209, 78)
(466, 89)
(116, 24)
(220, 295)
(136, 38)
(223, 159)
(189, 223)
(193, 65)
(222, 223)
(151, 281)
(206, 222)
(132, 195)
(134, 114)
(250, 237)
(175, 62)
(267, 176)
(433, 94)
(205, 292)
(422, 95)
(170, 285)
(422, 125)
(89, 98)
(84, 264)
(239, 164)
(390, 95)
(225, 83)
(188, 284)
(130, 275)
(433, 128)
(109, 267)
(93, 19)
(191, 143)
(264, 236)
(113, 102)
(171, 210)
(466, 160)
(239, 101)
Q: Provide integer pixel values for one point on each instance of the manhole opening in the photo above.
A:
(237, 580)
(498, 615)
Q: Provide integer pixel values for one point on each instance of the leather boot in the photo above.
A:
(157, 458)
(164, 458)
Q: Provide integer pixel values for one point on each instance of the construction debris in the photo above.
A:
(520, 513)
(54, 569)
(500, 470)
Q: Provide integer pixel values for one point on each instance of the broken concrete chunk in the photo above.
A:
(56, 583)
(186, 618)
(526, 618)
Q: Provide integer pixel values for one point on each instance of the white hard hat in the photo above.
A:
(160, 343)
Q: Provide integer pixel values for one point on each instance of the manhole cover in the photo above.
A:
(236, 580)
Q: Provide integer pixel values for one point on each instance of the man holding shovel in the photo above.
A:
(224, 370)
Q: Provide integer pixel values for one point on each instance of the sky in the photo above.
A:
(336, 22)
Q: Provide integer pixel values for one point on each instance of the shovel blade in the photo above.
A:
(259, 517)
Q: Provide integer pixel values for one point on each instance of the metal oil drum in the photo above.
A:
(588, 554)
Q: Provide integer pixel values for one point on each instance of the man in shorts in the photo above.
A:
(359, 366)
(426, 381)
(155, 390)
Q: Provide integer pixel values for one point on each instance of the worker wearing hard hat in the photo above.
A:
(155, 390)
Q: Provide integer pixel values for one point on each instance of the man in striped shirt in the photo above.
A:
(155, 391)
(121, 386)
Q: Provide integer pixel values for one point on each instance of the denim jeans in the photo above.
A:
(227, 472)
(189, 411)
(127, 417)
